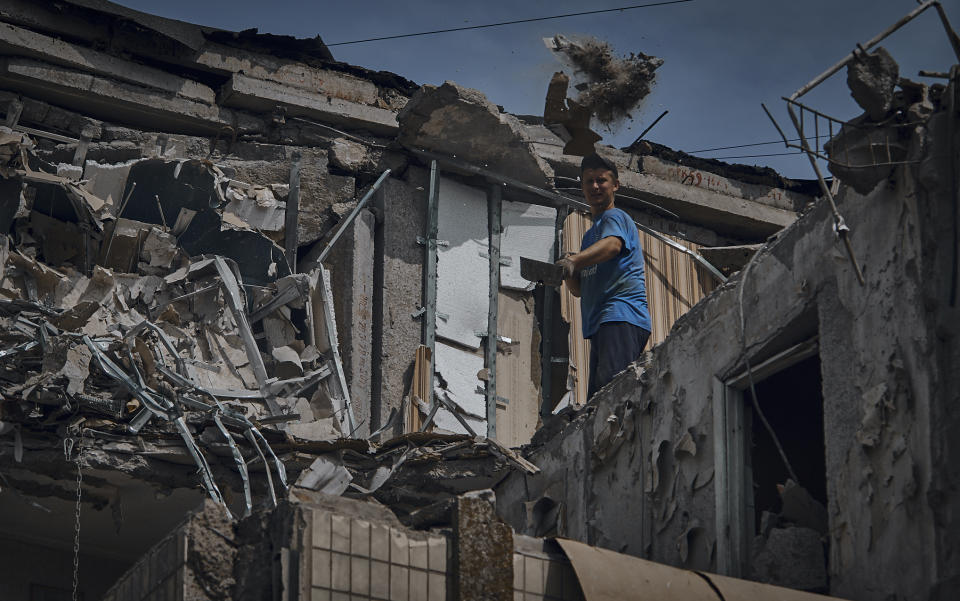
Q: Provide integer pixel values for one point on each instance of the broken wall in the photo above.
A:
(650, 445)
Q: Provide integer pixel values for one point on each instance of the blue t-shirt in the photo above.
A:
(615, 290)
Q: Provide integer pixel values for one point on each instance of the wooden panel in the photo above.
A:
(518, 369)
(675, 283)
(575, 226)
(420, 391)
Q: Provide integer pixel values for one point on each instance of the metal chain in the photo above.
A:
(68, 447)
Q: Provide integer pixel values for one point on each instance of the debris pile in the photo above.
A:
(790, 545)
(612, 86)
(143, 300)
(413, 474)
(866, 149)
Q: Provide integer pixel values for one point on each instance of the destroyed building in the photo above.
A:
(243, 282)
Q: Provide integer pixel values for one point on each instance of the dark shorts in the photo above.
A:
(615, 345)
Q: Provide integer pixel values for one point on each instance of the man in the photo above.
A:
(608, 276)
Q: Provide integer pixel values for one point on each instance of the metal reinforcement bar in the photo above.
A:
(876, 40)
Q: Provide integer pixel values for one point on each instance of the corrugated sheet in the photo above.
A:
(675, 283)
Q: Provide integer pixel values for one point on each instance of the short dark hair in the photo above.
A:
(595, 161)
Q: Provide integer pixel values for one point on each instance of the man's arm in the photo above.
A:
(602, 250)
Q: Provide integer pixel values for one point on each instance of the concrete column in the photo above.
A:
(352, 262)
(398, 276)
(483, 550)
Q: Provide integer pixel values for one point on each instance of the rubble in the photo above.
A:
(868, 148)
(790, 557)
(872, 78)
(572, 118)
(612, 86)
(171, 332)
(124, 320)
(459, 121)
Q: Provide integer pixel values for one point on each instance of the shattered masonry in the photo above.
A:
(214, 298)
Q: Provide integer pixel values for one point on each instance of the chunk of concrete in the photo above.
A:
(106, 181)
(872, 78)
(227, 60)
(454, 120)
(351, 156)
(864, 157)
(23, 42)
(118, 101)
(264, 96)
(729, 259)
(800, 508)
(790, 557)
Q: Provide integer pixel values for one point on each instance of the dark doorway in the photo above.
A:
(792, 401)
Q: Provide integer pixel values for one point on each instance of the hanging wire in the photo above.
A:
(753, 388)
(502, 23)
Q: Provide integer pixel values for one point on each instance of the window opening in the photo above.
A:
(792, 402)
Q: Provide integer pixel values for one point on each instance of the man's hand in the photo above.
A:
(571, 275)
(569, 270)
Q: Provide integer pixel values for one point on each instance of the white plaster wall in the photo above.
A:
(463, 277)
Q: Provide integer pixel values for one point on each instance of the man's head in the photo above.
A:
(599, 182)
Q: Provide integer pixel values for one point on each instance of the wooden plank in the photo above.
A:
(575, 226)
(517, 380)
(421, 388)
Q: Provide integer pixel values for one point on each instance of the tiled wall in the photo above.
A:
(542, 573)
(348, 558)
(353, 559)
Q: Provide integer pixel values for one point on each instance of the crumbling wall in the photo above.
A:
(398, 284)
(888, 352)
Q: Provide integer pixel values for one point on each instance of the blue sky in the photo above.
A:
(721, 58)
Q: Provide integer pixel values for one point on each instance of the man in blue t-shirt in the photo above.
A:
(607, 274)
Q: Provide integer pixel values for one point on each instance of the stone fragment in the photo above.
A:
(872, 78)
(350, 156)
(791, 557)
(800, 508)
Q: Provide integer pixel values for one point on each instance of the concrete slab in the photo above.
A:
(768, 195)
(352, 262)
(339, 85)
(50, 117)
(120, 102)
(264, 96)
(81, 20)
(455, 120)
(725, 214)
(23, 42)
